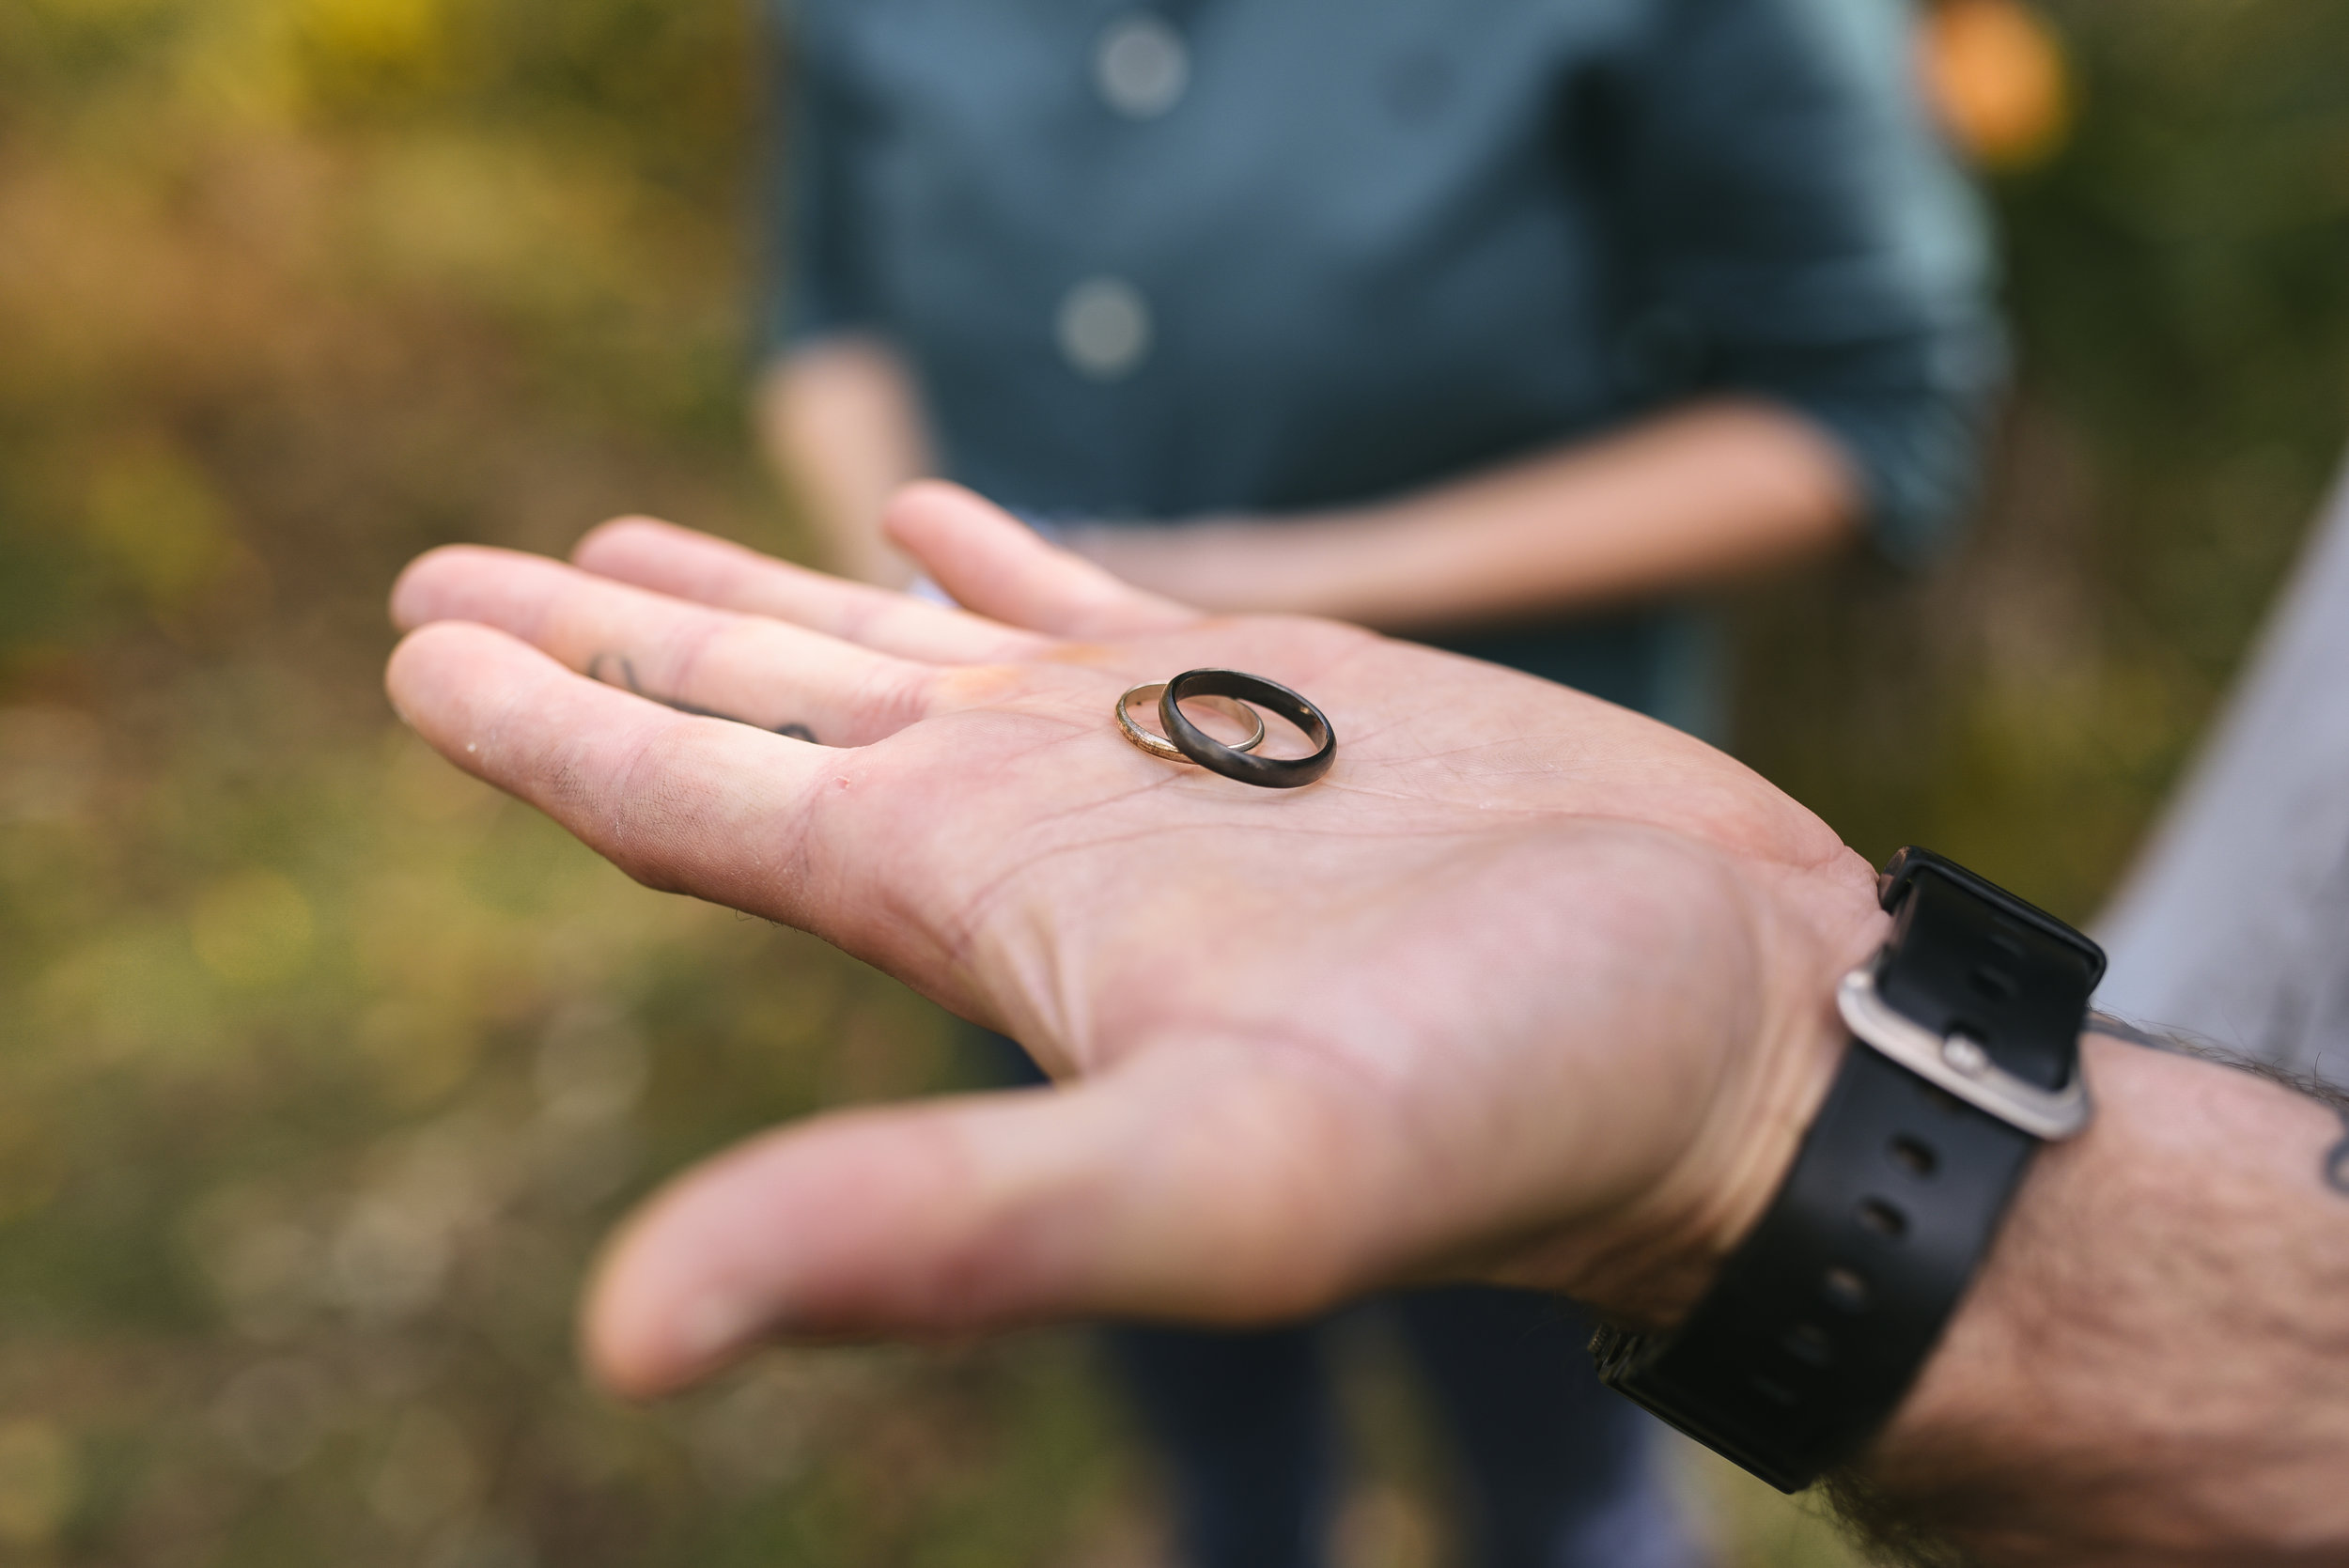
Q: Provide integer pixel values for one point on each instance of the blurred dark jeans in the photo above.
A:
(1554, 1470)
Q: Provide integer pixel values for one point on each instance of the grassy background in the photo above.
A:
(321, 1068)
(2179, 286)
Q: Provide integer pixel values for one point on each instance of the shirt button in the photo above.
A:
(1104, 329)
(1140, 65)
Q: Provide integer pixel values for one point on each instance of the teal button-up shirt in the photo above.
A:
(1267, 256)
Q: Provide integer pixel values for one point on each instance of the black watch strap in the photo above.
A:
(1965, 1055)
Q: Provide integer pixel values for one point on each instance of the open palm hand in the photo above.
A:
(1528, 989)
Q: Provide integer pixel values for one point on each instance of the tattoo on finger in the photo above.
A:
(627, 668)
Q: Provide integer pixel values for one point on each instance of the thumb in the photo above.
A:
(991, 563)
(1193, 1190)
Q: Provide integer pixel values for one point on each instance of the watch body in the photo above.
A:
(1965, 1056)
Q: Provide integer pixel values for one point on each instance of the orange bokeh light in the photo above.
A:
(1996, 71)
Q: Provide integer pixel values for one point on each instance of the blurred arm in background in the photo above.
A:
(1695, 494)
(837, 410)
(1805, 268)
(840, 421)
(1691, 496)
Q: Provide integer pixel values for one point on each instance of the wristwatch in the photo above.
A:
(1964, 1058)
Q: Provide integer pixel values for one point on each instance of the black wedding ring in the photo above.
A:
(1212, 754)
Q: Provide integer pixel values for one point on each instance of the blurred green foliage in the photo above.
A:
(322, 1070)
(2179, 286)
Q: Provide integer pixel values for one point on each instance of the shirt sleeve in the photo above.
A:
(1800, 231)
(819, 282)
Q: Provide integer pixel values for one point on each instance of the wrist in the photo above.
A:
(2089, 1403)
(1648, 1264)
(1706, 1210)
(1966, 1058)
(1224, 564)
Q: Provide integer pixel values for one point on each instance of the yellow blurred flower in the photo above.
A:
(379, 32)
(39, 1481)
(157, 518)
(1996, 71)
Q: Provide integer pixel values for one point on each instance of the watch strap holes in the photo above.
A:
(1915, 1156)
(1995, 981)
(1846, 1290)
(1883, 1218)
(1809, 1344)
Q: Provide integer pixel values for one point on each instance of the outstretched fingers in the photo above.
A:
(686, 564)
(678, 803)
(992, 562)
(1197, 1184)
(761, 672)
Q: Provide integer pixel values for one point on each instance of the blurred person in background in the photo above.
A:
(1509, 326)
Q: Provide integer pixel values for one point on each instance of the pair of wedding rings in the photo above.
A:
(1231, 692)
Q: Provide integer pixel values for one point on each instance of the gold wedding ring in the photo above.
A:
(1164, 750)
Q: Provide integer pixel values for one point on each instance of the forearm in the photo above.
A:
(842, 424)
(1699, 494)
(2153, 1366)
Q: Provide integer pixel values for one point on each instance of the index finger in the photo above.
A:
(992, 562)
(681, 804)
(707, 571)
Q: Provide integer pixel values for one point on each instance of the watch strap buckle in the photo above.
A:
(1959, 1065)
